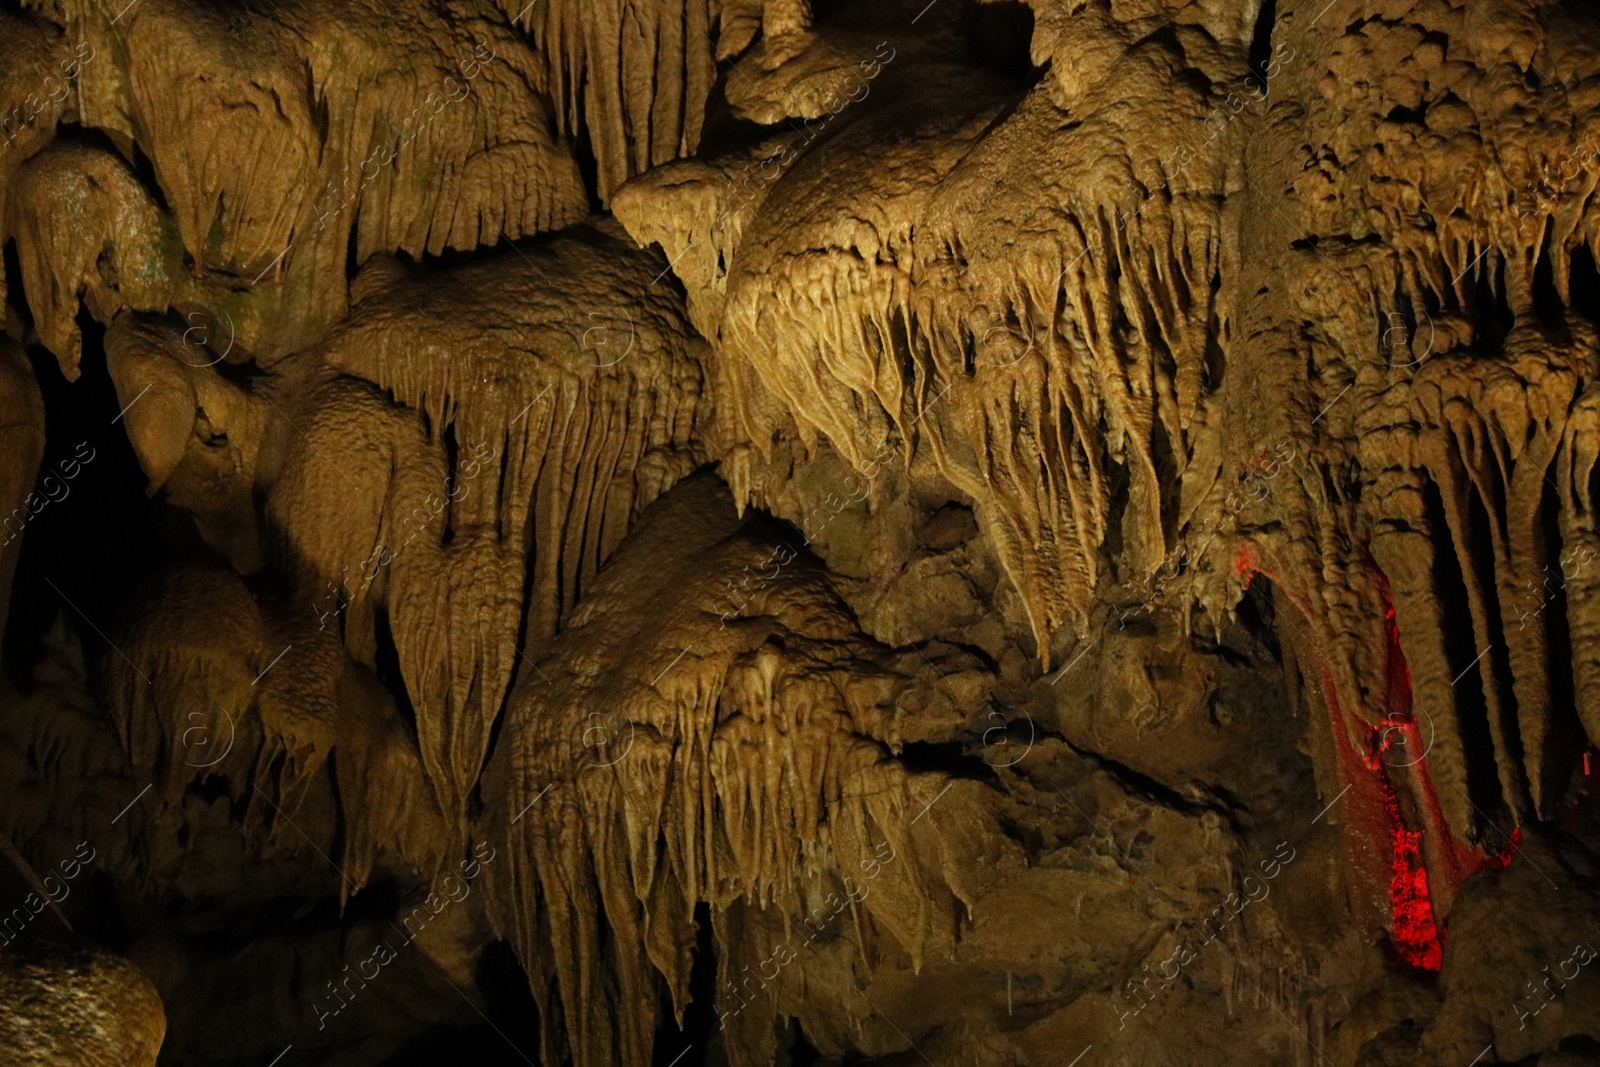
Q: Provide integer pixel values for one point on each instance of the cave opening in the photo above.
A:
(96, 534)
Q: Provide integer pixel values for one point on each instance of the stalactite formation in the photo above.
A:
(770, 533)
(748, 774)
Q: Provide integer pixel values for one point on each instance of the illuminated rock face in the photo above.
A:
(660, 531)
(67, 1001)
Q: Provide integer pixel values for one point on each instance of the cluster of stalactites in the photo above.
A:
(1042, 339)
(1441, 227)
(1027, 388)
(270, 138)
(634, 74)
(567, 413)
(745, 763)
(1477, 443)
(1085, 361)
(88, 233)
(207, 684)
(746, 784)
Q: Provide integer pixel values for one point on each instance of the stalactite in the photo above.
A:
(87, 232)
(1316, 340)
(272, 138)
(1437, 314)
(636, 73)
(567, 424)
(750, 773)
(265, 701)
(1082, 354)
(1577, 573)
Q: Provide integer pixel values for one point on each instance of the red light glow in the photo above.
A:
(1416, 936)
(1247, 563)
(1402, 871)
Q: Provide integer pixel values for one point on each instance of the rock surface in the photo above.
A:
(732, 533)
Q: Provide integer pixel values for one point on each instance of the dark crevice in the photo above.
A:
(1583, 284)
(1216, 358)
(1143, 786)
(1416, 116)
(452, 477)
(1460, 640)
(1258, 616)
(999, 38)
(955, 758)
(145, 170)
(1261, 39)
(1490, 309)
(386, 662)
(1564, 743)
(583, 151)
(801, 1052)
(689, 1045)
(352, 254)
(1117, 494)
(66, 555)
(1548, 306)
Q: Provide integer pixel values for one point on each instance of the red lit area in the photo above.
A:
(1406, 863)
(1502, 861)
(1416, 936)
(1387, 857)
(1392, 860)
(1415, 933)
(1247, 563)
(1397, 689)
(1580, 814)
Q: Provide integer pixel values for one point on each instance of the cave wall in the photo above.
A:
(611, 530)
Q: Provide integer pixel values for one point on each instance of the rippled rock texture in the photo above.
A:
(705, 532)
